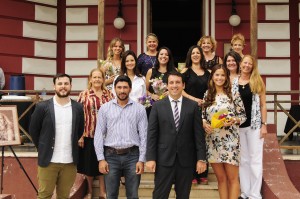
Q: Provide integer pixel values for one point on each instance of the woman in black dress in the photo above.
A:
(196, 79)
(163, 65)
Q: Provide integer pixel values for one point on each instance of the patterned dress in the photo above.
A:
(208, 64)
(145, 62)
(223, 144)
(111, 70)
(88, 163)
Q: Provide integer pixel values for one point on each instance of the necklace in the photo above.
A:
(153, 62)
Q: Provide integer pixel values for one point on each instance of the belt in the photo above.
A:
(119, 151)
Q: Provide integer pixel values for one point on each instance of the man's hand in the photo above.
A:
(103, 167)
(200, 167)
(151, 165)
(139, 168)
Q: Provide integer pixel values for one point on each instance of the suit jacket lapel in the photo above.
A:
(52, 112)
(74, 116)
(169, 111)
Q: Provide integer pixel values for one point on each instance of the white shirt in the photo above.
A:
(179, 103)
(63, 131)
(138, 88)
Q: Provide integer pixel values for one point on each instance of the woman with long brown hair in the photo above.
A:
(222, 140)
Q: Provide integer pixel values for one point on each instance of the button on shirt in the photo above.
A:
(121, 127)
(178, 104)
(63, 133)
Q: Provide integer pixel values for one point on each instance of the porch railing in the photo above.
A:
(277, 107)
(277, 104)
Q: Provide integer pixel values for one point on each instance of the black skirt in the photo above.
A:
(88, 163)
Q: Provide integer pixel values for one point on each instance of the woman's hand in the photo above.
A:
(165, 94)
(81, 142)
(230, 122)
(110, 80)
(207, 128)
(199, 101)
(263, 131)
(154, 97)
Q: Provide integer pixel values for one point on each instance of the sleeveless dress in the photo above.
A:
(196, 85)
(111, 70)
(208, 64)
(145, 62)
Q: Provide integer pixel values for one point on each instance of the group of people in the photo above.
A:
(177, 137)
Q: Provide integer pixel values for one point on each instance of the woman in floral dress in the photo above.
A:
(112, 65)
(223, 145)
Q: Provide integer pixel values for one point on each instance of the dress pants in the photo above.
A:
(59, 175)
(251, 163)
(166, 176)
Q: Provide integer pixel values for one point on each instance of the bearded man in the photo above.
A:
(56, 126)
(120, 140)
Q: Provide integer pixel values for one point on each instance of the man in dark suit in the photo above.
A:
(175, 141)
(56, 126)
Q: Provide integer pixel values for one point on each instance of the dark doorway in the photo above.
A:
(178, 25)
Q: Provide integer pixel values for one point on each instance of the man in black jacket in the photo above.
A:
(175, 141)
(56, 126)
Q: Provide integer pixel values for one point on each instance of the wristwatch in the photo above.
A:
(264, 123)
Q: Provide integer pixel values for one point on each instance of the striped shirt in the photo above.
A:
(121, 127)
(91, 105)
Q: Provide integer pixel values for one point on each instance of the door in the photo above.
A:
(177, 23)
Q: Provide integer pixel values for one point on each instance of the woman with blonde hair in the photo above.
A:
(147, 59)
(209, 46)
(238, 43)
(112, 65)
(252, 132)
(92, 99)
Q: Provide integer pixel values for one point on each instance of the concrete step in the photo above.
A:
(147, 175)
(146, 188)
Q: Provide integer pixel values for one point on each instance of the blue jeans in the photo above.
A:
(119, 165)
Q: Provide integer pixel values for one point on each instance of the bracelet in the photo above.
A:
(237, 121)
(204, 161)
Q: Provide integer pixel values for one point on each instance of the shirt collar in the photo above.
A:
(115, 101)
(179, 99)
(56, 103)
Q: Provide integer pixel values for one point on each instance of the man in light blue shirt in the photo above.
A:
(120, 140)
